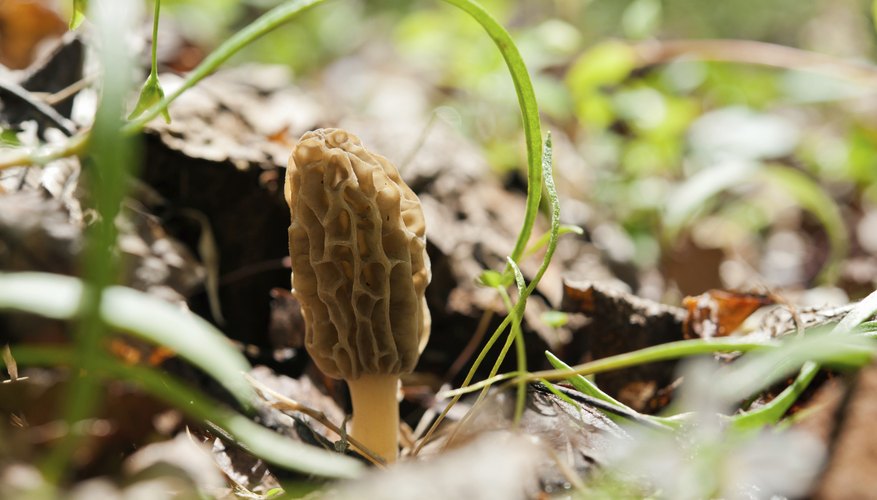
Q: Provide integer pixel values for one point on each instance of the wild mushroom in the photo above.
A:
(359, 268)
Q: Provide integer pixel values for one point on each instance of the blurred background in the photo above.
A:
(700, 144)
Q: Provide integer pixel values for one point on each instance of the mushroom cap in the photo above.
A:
(358, 248)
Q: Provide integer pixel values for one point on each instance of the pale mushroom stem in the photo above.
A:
(376, 414)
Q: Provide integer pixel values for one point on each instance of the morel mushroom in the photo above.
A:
(359, 269)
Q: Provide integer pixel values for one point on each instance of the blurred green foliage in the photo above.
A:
(640, 124)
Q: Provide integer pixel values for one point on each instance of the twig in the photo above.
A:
(65, 93)
(9, 361)
(284, 403)
(568, 473)
(22, 95)
(752, 52)
(474, 341)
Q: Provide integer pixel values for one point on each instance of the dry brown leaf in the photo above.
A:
(24, 24)
(717, 313)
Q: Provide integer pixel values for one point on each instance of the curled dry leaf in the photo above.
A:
(717, 313)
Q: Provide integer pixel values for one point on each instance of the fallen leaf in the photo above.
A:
(24, 24)
(717, 313)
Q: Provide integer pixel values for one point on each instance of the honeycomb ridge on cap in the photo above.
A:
(358, 248)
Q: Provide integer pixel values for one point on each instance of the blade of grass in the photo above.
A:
(522, 302)
(529, 112)
(581, 383)
(774, 410)
(152, 92)
(622, 411)
(864, 310)
(108, 162)
(542, 240)
(757, 371)
(619, 414)
(662, 352)
(260, 441)
(266, 23)
(136, 313)
(518, 335)
(503, 40)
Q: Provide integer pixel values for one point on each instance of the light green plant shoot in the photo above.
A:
(152, 93)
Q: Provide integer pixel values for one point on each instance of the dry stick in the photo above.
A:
(406, 436)
(568, 473)
(9, 361)
(21, 94)
(284, 403)
(67, 92)
(751, 52)
(253, 269)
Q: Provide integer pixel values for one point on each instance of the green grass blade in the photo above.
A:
(136, 313)
(520, 348)
(662, 352)
(757, 371)
(107, 165)
(863, 311)
(582, 384)
(774, 410)
(260, 441)
(266, 23)
(585, 386)
(529, 112)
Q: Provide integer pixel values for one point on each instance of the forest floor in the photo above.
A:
(204, 227)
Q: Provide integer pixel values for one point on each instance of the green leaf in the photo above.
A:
(79, 8)
(150, 94)
(543, 239)
(554, 319)
(519, 276)
(9, 137)
(838, 350)
(492, 279)
(834, 353)
(585, 386)
(605, 64)
(266, 23)
(642, 18)
(136, 313)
